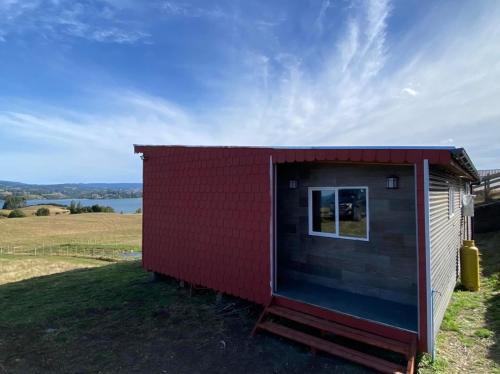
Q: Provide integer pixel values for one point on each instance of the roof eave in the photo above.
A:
(464, 161)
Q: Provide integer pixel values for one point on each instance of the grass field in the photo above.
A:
(469, 340)
(114, 319)
(16, 268)
(30, 210)
(95, 230)
(67, 315)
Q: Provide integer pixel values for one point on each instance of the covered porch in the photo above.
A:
(390, 313)
(344, 242)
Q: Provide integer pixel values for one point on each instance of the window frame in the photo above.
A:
(337, 221)
(451, 201)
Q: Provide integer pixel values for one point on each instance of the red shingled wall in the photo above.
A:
(207, 212)
(207, 218)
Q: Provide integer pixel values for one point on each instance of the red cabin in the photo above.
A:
(364, 240)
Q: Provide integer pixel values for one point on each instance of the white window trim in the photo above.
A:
(337, 222)
(451, 201)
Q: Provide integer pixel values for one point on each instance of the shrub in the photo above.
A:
(72, 208)
(17, 213)
(42, 212)
(138, 211)
(101, 209)
(14, 202)
(75, 208)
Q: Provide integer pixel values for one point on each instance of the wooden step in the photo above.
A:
(341, 330)
(410, 366)
(323, 345)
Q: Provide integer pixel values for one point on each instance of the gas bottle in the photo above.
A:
(469, 265)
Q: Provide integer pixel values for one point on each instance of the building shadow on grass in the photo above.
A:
(489, 246)
(116, 319)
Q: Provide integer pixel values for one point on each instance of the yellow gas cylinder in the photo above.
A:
(469, 265)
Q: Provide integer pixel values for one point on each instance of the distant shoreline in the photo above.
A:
(125, 205)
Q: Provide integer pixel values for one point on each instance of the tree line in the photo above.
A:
(15, 203)
(77, 208)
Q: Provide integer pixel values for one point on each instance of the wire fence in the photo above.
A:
(75, 248)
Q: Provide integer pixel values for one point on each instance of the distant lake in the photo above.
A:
(119, 205)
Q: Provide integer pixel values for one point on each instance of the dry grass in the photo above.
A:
(94, 228)
(54, 209)
(17, 268)
(31, 210)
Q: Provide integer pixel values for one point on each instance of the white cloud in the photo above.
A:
(362, 93)
(176, 8)
(409, 91)
(82, 146)
(58, 19)
(319, 23)
(355, 100)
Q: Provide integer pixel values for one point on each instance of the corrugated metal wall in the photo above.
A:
(446, 235)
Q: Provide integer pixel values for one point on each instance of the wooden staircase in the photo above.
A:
(291, 324)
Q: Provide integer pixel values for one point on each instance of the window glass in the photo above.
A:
(323, 211)
(451, 201)
(352, 212)
(339, 212)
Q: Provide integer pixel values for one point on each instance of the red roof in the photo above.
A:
(446, 156)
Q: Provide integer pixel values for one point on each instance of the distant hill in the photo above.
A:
(71, 190)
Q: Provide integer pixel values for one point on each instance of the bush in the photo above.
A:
(138, 211)
(101, 209)
(72, 207)
(17, 213)
(75, 208)
(14, 202)
(42, 212)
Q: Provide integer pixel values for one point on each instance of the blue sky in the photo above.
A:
(81, 81)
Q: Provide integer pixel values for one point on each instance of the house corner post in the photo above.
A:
(425, 334)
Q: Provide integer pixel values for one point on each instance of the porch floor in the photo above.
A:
(365, 307)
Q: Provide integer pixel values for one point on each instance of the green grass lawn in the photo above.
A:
(469, 338)
(110, 317)
(114, 319)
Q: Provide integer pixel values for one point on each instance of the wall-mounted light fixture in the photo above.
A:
(392, 182)
(292, 183)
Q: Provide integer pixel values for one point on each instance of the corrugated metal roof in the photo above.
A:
(438, 155)
(406, 147)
